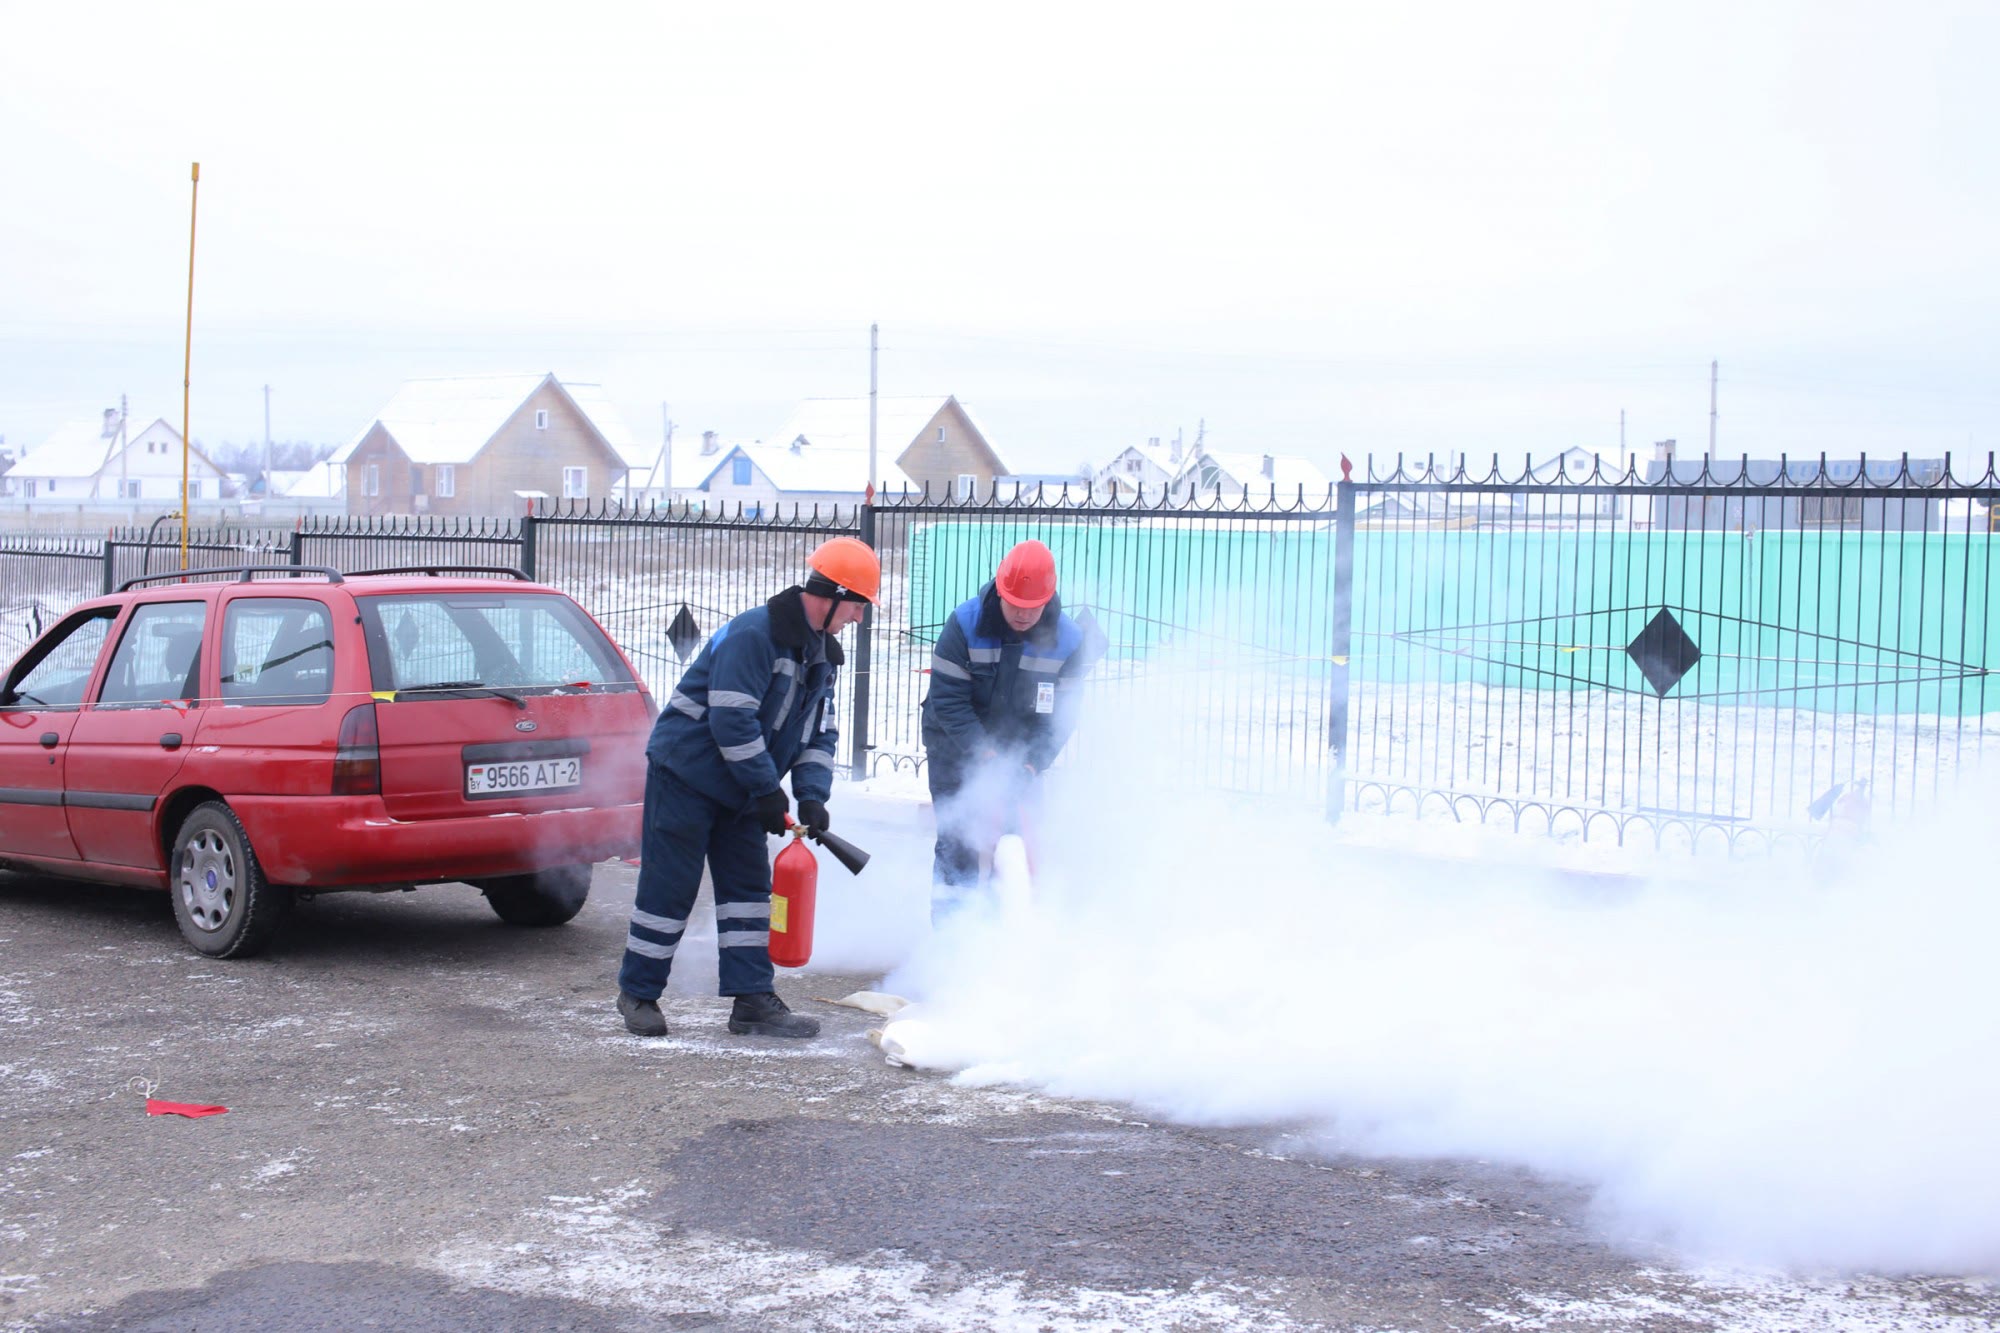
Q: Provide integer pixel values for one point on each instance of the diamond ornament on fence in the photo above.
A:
(1663, 652)
(684, 635)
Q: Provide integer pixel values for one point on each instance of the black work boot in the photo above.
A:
(765, 1015)
(642, 1017)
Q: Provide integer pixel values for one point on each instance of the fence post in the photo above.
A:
(1342, 649)
(528, 522)
(110, 564)
(864, 654)
(296, 555)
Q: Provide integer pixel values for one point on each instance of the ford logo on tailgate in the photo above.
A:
(525, 724)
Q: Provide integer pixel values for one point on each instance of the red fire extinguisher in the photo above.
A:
(795, 891)
(794, 896)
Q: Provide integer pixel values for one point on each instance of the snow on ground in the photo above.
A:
(592, 1248)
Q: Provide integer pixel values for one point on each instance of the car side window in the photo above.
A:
(55, 672)
(158, 658)
(276, 650)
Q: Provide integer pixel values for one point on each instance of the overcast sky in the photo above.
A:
(1379, 228)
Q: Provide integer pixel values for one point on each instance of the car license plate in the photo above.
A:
(522, 775)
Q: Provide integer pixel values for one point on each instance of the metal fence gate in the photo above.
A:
(1702, 654)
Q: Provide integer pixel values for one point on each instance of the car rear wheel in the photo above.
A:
(545, 898)
(225, 906)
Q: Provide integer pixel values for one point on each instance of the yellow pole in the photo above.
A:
(187, 364)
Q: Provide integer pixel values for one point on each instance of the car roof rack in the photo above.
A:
(327, 572)
(438, 571)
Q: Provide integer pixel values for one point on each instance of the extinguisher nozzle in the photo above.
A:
(843, 851)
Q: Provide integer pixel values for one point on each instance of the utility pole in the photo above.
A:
(187, 362)
(267, 442)
(1714, 369)
(874, 348)
(666, 465)
(1621, 432)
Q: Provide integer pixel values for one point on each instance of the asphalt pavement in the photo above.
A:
(437, 1121)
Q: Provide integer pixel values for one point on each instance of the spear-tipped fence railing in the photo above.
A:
(1693, 651)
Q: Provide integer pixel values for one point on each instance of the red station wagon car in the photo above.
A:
(241, 740)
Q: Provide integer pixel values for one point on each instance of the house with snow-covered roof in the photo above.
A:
(820, 456)
(490, 444)
(1231, 477)
(105, 460)
(1141, 471)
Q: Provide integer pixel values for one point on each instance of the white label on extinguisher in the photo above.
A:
(780, 906)
(1045, 696)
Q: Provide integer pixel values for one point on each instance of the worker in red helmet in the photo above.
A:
(754, 708)
(1002, 703)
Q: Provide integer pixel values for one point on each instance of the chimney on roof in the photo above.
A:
(1270, 468)
(1664, 451)
(708, 442)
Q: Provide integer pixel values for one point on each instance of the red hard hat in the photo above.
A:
(1027, 576)
(850, 564)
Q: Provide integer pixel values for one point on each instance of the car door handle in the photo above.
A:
(171, 741)
(51, 739)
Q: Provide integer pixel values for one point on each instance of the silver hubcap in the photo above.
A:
(208, 880)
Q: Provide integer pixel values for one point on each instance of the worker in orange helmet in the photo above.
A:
(755, 707)
(1002, 703)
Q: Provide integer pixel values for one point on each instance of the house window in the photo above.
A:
(130, 488)
(194, 489)
(739, 471)
(416, 480)
(371, 479)
(541, 418)
(52, 485)
(576, 483)
(447, 480)
(940, 434)
(30, 488)
(967, 483)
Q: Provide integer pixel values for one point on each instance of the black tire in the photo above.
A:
(222, 902)
(545, 898)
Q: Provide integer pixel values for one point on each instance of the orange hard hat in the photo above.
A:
(851, 565)
(1027, 576)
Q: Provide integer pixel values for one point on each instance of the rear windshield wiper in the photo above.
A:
(467, 687)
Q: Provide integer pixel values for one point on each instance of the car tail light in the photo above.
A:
(357, 765)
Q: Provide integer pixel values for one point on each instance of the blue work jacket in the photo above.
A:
(1011, 693)
(756, 704)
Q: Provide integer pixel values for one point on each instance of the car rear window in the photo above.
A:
(512, 640)
(276, 650)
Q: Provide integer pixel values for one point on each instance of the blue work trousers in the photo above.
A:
(684, 827)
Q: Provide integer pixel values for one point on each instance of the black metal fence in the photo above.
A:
(1217, 619)
(1690, 653)
(1697, 652)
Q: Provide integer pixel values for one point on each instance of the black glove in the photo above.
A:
(772, 807)
(814, 816)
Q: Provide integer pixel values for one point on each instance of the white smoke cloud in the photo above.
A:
(1757, 1066)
